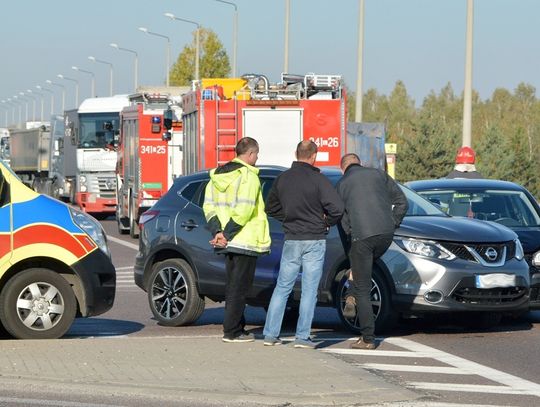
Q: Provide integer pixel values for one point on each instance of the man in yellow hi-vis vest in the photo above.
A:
(234, 209)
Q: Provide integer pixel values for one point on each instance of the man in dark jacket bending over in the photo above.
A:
(374, 207)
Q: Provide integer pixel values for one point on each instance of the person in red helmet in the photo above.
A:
(465, 167)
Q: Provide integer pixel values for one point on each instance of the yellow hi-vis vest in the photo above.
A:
(237, 195)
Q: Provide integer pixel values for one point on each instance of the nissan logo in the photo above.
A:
(491, 254)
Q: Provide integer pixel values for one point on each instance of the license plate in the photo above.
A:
(496, 280)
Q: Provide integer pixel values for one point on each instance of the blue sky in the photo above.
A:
(421, 42)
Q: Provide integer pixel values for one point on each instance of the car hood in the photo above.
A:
(529, 238)
(452, 229)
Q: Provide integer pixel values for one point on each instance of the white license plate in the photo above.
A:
(495, 280)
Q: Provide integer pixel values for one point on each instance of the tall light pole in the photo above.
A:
(13, 107)
(286, 46)
(136, 68)
(467, 91)
(360, 67)
(31, 96)
(235, 33)
(76, 87)
(42, 103)
(197, 39)
(16, 98)
(91, 58)
(167, 50)
(93, 83)
(52, 96)
(25, 99)
(63, 93)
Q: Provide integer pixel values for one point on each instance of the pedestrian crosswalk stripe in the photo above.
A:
(470, 388)
(411, 368)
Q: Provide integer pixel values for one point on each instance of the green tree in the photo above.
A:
(213, 60)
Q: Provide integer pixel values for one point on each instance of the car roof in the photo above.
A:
(263, 170)
(463, 183)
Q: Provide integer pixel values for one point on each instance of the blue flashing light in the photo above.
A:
(156, 119)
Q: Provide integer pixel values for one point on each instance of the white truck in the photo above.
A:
(90, 172)
(4, 145)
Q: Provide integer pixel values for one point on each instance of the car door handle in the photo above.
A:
(190, 224)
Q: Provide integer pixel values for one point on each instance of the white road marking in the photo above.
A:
(124, 268)
(399, 353)
(123, 243)
(469, 388)
(411, 368)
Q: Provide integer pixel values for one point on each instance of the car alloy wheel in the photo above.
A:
(172, 293)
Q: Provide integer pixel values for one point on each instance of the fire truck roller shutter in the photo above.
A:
(278, 132)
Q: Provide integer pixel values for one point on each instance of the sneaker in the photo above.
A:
(305, 343)
(271, 341)
(361, 344)
(243, 337)
(349, 311)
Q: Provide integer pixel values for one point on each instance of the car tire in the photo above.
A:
(172, 293)
(385, 316)
(37, 304)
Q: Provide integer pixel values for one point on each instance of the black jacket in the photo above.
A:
(305, 201)
(374, 202)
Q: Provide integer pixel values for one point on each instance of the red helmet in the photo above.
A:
(465, 155)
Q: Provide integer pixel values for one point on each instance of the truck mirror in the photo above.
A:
(168, 119)
(166, 136)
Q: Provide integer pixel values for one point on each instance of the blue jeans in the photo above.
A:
(298, 255)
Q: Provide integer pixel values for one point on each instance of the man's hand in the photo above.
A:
(219, 241)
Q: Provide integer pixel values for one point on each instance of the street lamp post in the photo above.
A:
(25, 99)
(76, 87)
(42, 103)
(91, 58)
(52, 96)
(31, 96)
(136, 68)
(13, 108)
(286, 47)
(360, 67)
(20, 109)
(467, 90)
(63, 92)
(93, 83)
(167, 50)
(235, 33)
(173, 17)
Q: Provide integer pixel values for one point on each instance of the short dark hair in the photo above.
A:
(246, 144)
(305, 149)
(348, 159)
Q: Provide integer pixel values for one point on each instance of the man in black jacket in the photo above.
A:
(374, 207)
(307, 204)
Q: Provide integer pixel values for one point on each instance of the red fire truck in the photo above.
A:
(149, 155)
(220, 111)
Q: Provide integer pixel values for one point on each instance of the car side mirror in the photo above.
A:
(168, 119)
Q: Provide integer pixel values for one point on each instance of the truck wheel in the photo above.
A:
(133, 227)
(172, 293)
(385, 316)
(37, 304)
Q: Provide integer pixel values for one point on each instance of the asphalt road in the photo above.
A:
(438, 358)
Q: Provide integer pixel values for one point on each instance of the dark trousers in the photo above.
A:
(362, 254)
(240, 272)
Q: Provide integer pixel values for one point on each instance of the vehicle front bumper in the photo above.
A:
(98, 278)
(91, 203)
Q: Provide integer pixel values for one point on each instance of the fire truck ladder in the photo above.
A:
(225, 133)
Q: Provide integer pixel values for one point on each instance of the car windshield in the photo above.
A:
(510, 208)
(419, 206)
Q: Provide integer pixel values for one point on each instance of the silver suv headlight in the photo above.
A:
(426, 248)
(92, 228)
(536, 259)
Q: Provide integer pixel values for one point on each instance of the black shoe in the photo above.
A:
(361, 344)
(243, 337)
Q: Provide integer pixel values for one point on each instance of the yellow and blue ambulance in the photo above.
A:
(54, 263)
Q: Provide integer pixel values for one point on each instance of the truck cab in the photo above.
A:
(54, 263)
